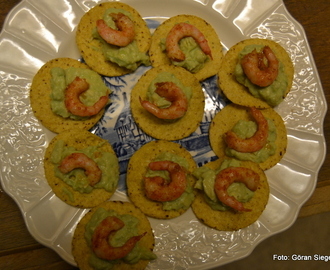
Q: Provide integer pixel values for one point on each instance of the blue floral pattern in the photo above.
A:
(119, 128)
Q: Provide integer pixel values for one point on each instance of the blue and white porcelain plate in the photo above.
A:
(119, 128)
(37, 31)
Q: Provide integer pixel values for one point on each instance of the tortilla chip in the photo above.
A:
(159, 128)
(91, 49)
(79, 139)
(137, 169)
(81, 251)
(158, 56)
(40, 98)
(237, 92)
(227, 118)
(231, 220)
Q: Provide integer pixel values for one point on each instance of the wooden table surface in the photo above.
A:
(19, 250)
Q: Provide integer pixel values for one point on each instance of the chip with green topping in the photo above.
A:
(138, 168)
(260, 97)
(230, 116)
(73, 187)
(95, 52)
(143, 253)
(226, 219)
(41, 98)
(197, 63)
(160, 128)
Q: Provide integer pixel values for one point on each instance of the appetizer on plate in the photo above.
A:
(113, 39)
(66, 94)
(247, 133)
(167, 103)
(114, 235)
(159, 179)
(189, 42)
(256, 72)
(81, 168)
(231, 194)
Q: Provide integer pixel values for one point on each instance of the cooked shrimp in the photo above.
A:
(73, 103)
(158, 189)
(257, 71)
(171, 92)
(235, 174)
(122, 37)
(100, 240)
(254, 143)
(180, 31)
(81, 161)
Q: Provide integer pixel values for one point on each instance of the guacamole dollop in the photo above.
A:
(195, 58)
(159, 101)
(206, 180)
(185, 200)
(77, 179)
(129, 56)
(272, 94)
(119, 239)
(245, 129)
(61, 78)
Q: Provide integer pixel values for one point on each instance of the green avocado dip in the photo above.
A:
(206, 180)
(77, 179)
(159, 101)
(129, 56)
(185, 200)
(119, 239)
(61, 78)
(272, 94)
(195, 58)
(245, 129)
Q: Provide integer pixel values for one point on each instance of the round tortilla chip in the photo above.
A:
(40, 98)
(159, 128)
(137, 169)
(237, 92)
(227, 118)
(81, 251)
(158, 56)
(79, 139)
(233, 220)
(91, 49)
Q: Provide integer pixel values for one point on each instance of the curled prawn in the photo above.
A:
(73, 103)
(122, 37)
(235, 174)
(254, 143)
(158, 189)
(180, 31)
(171, 92)
(81, 161)
(100, 240)
(257, 71)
